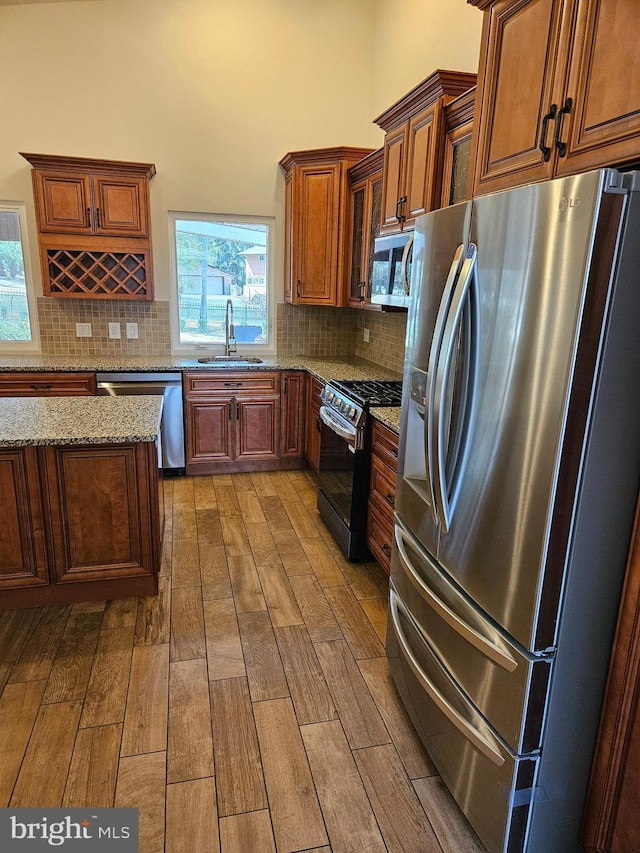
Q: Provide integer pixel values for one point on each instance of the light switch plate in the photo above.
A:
(132, 330)
(114, 330)
(83, 330)
(366, 336)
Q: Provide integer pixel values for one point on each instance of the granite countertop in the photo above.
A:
(324, 369)
(78, 420)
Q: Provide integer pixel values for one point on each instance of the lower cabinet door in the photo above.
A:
(208, 433)
(102, 524)
(258, 428)
(22, 550)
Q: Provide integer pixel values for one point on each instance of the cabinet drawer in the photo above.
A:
(47, 384)
(223, 382)
(382, 488)
(384, 444)
(379, 536)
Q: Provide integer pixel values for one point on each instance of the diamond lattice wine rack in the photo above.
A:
(94, 227)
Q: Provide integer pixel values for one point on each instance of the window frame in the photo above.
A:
(33, 345)
(185, 349)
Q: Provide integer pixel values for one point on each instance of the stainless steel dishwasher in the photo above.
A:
(172, 454)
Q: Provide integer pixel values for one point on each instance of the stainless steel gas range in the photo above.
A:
(344, 457)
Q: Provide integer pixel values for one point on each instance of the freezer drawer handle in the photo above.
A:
(483, 644)
(465, 728)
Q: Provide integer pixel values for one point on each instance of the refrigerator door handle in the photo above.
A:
(434, 355)
(444, 495)
(481, 743)
(483, 644)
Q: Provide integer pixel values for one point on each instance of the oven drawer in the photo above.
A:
(225, 382)
(379, 535)
(384, 444)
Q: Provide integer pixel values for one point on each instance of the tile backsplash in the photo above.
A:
(335, 332)
(58, 318)
(301, 330)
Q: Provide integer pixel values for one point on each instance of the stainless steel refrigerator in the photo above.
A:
(518, 476)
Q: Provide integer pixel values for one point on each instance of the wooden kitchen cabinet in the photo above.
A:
(414, 147)
(23, 556)
(382, 493)
(558, 90)
(313, 424)
(93, 226)
(366, 207)
(40, 384)
(458, 116)
(80, 522)
(243, 421)
(316, 206)
(611, 822)
(292, 414)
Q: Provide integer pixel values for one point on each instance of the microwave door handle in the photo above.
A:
(434, 355)
(467, 279)
(406, 282)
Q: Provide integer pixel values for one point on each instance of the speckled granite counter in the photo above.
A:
(390, 417)
(323, 368)
(78, 420)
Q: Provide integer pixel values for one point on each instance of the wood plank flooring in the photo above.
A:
(246, 708)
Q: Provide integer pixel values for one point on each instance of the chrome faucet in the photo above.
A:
(229, 331)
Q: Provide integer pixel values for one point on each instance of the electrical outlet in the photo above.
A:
(132, 330)
(114, 330)
(366, 336)
(83, 330)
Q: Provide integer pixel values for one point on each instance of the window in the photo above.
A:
(17, 308)
(217, 259)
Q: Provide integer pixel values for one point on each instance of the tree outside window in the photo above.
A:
(216, 261)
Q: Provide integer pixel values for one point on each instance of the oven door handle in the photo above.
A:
(349, 435)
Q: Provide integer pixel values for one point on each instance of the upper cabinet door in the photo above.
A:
(395, 144)
(319, 201)
(422, 178)
(603, 124)
(520, 91)
(63, 202)
(120, 206)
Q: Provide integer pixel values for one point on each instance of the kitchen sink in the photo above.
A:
(230, 359)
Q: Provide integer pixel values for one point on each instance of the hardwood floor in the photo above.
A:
(247, 708)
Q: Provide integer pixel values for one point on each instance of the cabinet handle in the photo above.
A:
(233, 384)
(400, 213)
(318, 425)
(546, 149)
(284, 389)
(37, 386)
(565, 109)
(230, 417)
(361, 289)
(393, 451)
(97, 217)
(389, 498)
(386, 549)
(298, 287)
(88, 217)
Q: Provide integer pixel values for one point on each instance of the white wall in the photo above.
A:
(412, 38)
(214, 92)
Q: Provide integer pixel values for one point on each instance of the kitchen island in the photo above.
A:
(81, 500)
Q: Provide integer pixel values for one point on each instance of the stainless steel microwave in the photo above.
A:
(391, 270)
